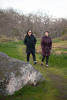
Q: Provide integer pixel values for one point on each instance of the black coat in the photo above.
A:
(30, 42)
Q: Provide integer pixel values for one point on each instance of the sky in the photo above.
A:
(55, 8)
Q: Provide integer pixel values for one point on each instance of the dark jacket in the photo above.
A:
(46, 45)
(30, 42)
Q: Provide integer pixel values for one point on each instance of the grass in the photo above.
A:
(56, 74)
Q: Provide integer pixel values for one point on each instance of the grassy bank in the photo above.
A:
(54, 87)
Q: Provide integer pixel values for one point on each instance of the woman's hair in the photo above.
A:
(46, 31)
(28, 31)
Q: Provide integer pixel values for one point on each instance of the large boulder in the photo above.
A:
(15, 74)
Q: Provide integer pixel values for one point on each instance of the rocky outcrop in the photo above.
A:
(15, 74)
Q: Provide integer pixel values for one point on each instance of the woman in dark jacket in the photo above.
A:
(46, 45)
(30, 42)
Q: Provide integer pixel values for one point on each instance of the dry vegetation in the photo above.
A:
(14, 25)
(57, 47)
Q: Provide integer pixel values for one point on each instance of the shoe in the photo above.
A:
(35, 62)
(46, 65)
(28, 63)
(41, 63)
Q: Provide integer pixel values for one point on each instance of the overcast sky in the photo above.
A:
(56, 8)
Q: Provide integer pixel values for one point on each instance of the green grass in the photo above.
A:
(47, 90)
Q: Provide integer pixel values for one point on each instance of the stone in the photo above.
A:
(15, 74)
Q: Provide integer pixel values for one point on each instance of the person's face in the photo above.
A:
(29, 33)
(46, 34)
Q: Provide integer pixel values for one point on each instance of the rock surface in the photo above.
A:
(15, 74)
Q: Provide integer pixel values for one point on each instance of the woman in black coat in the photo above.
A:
(30, 42)
(46, 45)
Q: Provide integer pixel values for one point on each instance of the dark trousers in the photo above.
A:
(28, 56)
(47, 58)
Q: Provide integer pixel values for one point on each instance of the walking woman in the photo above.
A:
(46, 45)
(30, 42)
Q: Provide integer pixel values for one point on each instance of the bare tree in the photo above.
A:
(13, 24)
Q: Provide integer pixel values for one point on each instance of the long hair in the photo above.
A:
(28, 31)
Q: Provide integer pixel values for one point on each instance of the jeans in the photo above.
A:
(28, 56)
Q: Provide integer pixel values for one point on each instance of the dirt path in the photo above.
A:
(60, 84)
